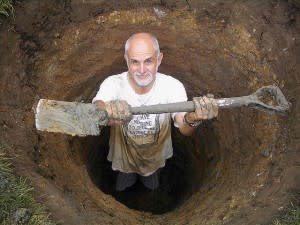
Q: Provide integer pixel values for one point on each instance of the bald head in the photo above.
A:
(143, 59)
(139, 39)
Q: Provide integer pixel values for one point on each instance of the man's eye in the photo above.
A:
(134, 62)
(149, 61)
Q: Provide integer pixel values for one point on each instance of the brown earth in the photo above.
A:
(240, 169)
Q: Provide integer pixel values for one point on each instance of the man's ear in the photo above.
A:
(160, 57)
(126, 59)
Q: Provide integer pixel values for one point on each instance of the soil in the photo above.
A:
(242, 168)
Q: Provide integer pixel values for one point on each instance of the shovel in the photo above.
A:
(82, 119)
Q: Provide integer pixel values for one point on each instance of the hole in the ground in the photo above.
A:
(213, 175)
(181, 176)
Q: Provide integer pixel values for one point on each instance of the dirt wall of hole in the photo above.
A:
(65, 51)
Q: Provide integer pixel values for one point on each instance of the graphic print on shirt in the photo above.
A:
(142, 131)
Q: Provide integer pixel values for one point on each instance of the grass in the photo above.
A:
(6, 7)
(292, 217)
(17, 204)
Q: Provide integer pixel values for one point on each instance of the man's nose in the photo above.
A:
(142, 68)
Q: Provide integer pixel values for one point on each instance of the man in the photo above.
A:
(140, 144)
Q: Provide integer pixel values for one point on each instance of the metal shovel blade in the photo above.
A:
(73, 118)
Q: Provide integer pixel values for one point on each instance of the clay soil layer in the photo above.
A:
(242, 168)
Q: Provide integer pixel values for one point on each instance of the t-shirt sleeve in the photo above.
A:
(106, 91)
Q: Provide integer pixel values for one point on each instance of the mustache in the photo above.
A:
(142, 74)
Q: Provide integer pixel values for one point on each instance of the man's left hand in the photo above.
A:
(205, 108)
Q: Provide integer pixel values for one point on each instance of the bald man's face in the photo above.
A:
(142, 61)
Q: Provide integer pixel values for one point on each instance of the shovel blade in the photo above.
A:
(73, 118)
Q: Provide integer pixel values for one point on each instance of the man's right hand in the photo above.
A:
(118, 111)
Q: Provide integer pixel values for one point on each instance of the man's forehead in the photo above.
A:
(142, 55)
(141, 49)
(141, 44)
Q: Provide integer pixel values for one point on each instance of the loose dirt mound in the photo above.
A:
(241, 169)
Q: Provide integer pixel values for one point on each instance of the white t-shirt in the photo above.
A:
(143, 144)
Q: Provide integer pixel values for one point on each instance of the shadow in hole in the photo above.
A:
(173, 179)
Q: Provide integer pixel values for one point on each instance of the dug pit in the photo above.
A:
(239, 169)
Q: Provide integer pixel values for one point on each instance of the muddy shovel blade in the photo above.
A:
(73, 118)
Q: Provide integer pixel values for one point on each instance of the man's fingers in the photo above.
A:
(121, 110)
(215, 109)
(118, 110)
(209, 107)
(115, 110)
(109, 110)
(206, 108)
(126, 113)
(198, 108)
(203, 103)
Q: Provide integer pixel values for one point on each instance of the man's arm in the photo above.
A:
(205, 108)
(184, 127)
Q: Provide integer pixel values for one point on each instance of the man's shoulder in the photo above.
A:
(167, 79)
(115, 79)
(170, 89)
(120, 76)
